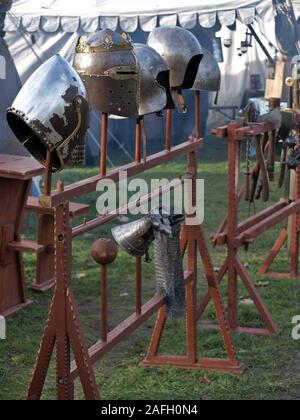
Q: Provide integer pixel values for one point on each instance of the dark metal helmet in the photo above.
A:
(181, 51)
(285, 27)
(51, 113)
(209, 74)
(110, 71)
(155, 92)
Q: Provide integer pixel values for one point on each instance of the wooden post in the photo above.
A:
(169, 115)
(103, 161)
(138, 139)
(197, 115)
(48, 174)
(104, 303)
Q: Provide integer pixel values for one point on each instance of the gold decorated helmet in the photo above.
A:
(109, 69)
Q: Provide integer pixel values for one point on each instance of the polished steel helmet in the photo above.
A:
(181, 51)
(51, 113)
(135, 237)
(209, 74)
(155, 92)
(110, 71)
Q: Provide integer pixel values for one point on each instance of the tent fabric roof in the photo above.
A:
(90, 15)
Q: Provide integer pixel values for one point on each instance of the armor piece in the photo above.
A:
(51, 113)
(285, 26)
(155, 92)
(272, 117)
(181, 51)
(136, 237)
(169, 272)
(288, 121)
(209, 74)
(109, 69)
(257, 112)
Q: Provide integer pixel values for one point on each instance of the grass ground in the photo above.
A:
(273, 363)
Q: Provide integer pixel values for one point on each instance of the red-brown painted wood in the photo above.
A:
(15, 183)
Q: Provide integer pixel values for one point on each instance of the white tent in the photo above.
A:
(58, 22)
(296, 4)
(37, 29)
(134, 12)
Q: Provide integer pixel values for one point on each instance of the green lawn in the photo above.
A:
(273, 363)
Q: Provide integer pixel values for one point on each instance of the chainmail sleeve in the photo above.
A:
(169, 271)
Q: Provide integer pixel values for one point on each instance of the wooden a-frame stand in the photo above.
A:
(292, 233)
(193, 243)
(236, 234)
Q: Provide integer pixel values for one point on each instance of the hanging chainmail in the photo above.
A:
(169, 269)
(163, 227)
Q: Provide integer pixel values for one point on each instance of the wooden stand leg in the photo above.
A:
(263, 310)
(45, 261)
(44, 279)
(157, 334)
(43, 359)
(294, 247)
(169, 114)
(234, 150)
(191, 296)
(283, 237)
(103, 159)
(63, 326)
(205, 301)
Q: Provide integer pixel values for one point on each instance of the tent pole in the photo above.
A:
(271, 60)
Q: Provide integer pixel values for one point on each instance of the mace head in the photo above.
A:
(104, 251)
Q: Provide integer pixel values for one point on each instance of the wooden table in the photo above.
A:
(16, 173)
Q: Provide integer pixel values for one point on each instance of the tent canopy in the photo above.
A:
(38, 29)
(90, 15)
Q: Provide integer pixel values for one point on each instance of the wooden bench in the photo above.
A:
(76, 209)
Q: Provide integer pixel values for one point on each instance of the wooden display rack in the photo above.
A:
(63, 327)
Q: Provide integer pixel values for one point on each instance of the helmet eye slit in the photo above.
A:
(124, 73)
(191, 72)
(162, 79)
